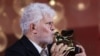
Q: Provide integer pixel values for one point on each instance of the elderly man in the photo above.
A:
(38, 31)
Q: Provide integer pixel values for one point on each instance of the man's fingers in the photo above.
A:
(63, 49)
(80, 46)
(53, 47)
(83, 51)
(59, 47)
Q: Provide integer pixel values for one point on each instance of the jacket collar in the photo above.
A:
(29, 46)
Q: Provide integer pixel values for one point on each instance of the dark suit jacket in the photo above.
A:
(23, 47)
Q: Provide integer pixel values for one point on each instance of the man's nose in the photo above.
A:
(52, 28)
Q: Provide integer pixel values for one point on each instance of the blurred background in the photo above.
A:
(83, 16)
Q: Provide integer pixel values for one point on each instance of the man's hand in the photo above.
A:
(58, 50)
(83, 51)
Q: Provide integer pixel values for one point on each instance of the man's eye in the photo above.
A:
(49, 23)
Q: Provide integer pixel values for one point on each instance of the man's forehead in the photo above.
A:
(47, 17)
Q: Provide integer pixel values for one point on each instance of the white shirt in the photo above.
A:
(37, 46)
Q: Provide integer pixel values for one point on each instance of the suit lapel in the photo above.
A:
(29, 46)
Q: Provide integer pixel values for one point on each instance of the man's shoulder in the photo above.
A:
(16, 49)
(22, 47)
(17, 46)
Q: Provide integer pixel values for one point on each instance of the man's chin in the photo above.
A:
(50, 41)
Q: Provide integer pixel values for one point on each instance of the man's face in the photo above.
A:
(45, 30)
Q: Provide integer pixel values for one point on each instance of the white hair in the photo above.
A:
(33, 13)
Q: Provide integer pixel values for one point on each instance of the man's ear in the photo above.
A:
(33, 28)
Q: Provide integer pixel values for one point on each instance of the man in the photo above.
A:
(38, 31)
